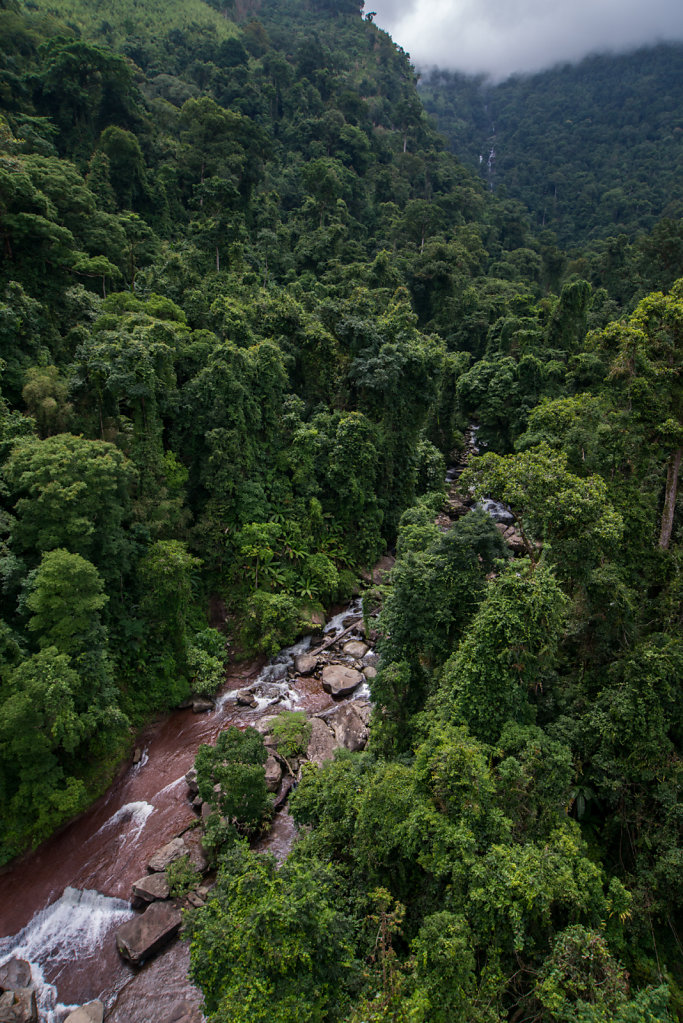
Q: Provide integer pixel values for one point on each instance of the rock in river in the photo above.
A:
(15, 973)
(355, 648)
(141, 937)
(18, 1006)
(305, 664)
(168, 854)
(340, 680)
(273, 774)
(152, 887)
(93, 1012)
(348, 727)
(322, 743)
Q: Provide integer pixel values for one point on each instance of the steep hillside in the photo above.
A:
(592, 149)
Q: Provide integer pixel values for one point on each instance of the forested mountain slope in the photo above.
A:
(591, 149)
(248, 305)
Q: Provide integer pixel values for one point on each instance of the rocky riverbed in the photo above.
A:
(105, 945)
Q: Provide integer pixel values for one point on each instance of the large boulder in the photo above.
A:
(93, 1012)
(273, 774)
(348, 727)
(355, 648)
(168, 854)
(305, 664)
(141, 937)
(152, 887)
(15, 973)
(18, 1006)
(322, 744)
(340, 680)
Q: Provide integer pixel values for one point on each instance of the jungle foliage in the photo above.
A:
(248, 305)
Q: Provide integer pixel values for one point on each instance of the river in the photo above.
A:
(60, 905)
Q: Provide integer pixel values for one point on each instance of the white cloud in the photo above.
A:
(499, 37)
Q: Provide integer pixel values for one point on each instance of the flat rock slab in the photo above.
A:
(340, 680)
(14, 974)
(152, 887)
(322, 744)
(168, 854)
(305, 664)
(355, 648)
(141, 937)
(93, 1012)
(18, 1006)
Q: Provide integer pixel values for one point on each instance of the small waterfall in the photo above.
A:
(135, 814)
(71, 928)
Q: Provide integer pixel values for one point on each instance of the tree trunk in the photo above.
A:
(670, 499)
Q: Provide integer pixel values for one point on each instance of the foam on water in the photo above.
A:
(135, 814)
(336, 624)
(167, 788)
(72, 927)
(141, 762)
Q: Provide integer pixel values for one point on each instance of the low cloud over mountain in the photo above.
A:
(500, 37)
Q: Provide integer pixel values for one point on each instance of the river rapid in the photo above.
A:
(61, 904)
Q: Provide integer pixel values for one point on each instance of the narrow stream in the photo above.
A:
(60, 905)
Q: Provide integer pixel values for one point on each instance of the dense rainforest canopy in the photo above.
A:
(249, 303)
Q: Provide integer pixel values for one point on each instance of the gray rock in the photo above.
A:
(18, 1006)
(195, 900)
(15, 973)
(191, 779)
(370, 671)
(168, 853)
(363, 709)
(92, 1012)
(195, 851)
(322, 743)
(201, 704)
(141, 937)
(348, 727)
(305, 664)
(246, 699)
(152, 887)
(197, 802)
(137, 755)
(355, 648)
(273, 774)
(371, 658)
(340, 680)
